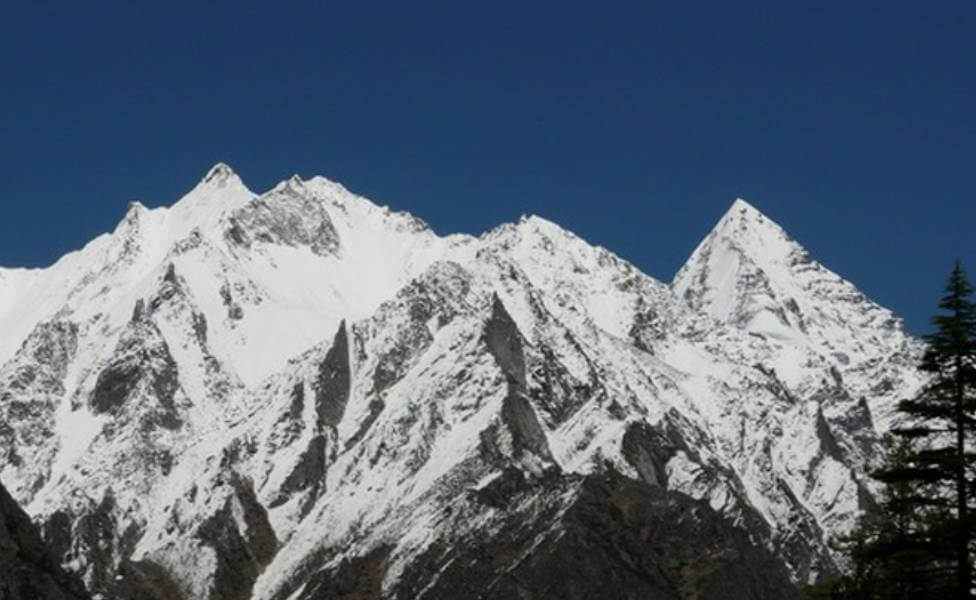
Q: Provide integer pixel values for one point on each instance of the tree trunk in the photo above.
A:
(962, 568)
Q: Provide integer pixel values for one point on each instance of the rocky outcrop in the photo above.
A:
(614, 538)
(28, 569)
(332, 383)
(504, 342)
(242, 540)
(142, 364)
(290, 215)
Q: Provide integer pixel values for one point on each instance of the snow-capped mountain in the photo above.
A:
(300, 394)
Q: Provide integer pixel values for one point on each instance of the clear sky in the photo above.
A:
(633, 124)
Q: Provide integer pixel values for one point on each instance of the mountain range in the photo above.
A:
(300, 394)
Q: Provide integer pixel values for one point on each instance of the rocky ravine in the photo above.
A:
(300, 394)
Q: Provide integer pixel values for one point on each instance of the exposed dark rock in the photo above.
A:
(394, 364)
(32, 385)
(648, 452)
(235, 233)
(859, 426)
(355, 578)
(28, 568)
(333, 380)
(421, 300)
(288, 215)
(170, 275)
(144, 580)
(200, 327)
(142, 362)
(260, 535)
(555, 392)
(376, 406)
(297, 406)
(649, 326)
(504, 341)
(522, 423)
(139, 311)
(828, 443)
(308, 474)
(93, 537)
(291, 424)
(55, 344)
(794, 546)
(619, 538)
(114, 386)
(503, 489)
(241, 555)
(775, 385)
(56, 532)
(235, 312)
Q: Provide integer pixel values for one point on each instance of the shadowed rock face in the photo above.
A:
(619, 538)
(614, 537)
(527, 434)
(648, 452)
(356, 578)
(505, 343)
(289, 215)
(241, 556)
(308, 474)
(28, 571)
(142, 362)
(144, 580)
(332, 386)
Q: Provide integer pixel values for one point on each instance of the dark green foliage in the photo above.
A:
(917, 544)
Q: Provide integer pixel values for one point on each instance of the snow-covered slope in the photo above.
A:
(248, 395)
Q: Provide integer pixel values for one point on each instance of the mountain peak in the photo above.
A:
(478, 382)
(735, 272)
(219, 180)
(743, 218)
(741, 210)
(219, 172)
(742, 205)
(750, 273)
(220, 176)
(293, 185)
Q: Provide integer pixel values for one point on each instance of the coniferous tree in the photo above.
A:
(918, 543)
(890, 553)
(945, 422)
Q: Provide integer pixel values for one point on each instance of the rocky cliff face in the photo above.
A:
(300, 394)
(30, 570)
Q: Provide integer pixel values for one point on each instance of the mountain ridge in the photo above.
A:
(281, 383)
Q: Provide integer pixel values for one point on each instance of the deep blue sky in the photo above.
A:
(632, 124)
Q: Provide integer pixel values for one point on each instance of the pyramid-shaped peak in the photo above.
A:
(746, 227)
(742, 215)
(742, 207)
